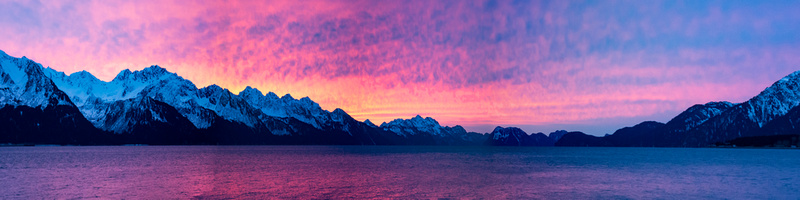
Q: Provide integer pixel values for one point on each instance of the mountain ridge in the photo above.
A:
(144, 105)
(156, 106)
(714, 122)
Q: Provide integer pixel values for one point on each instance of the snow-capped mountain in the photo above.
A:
(155, 106)
(419, 125)
(788, 124)
(149, 115)
(155, 82)
(228, 105)
(303, 109)
(513, 136)
(697, 114)
(705, 124)
(774, 101)
(419, 130)
(262, 113)
(22, 82)
(34, 110)
(370, 124)
(200, 106)
(746, 118)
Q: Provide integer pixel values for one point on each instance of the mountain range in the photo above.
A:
(772, 112)
(154, 106)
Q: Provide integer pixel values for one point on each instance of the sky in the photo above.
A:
(591, 66)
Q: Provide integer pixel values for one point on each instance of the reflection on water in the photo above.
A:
(257, 172)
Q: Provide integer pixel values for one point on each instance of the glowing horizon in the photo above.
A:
(539, 65)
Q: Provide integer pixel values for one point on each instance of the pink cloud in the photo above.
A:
(461, 62)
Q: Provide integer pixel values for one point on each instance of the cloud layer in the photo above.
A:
(474, 63)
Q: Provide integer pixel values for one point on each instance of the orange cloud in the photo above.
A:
(462, 62)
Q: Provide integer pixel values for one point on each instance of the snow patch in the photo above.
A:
(15, 72)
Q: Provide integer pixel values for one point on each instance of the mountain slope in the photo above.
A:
(744, 119)
(642, 135)
(771, 112)
(303, 109)
(34, 110)
(23, 83)
(147, 121)
(418, 130)
(513, 136)
(579, 139)
(155, 106)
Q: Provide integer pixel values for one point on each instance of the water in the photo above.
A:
(405, 172)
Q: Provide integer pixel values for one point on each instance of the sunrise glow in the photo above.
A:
(479, 64)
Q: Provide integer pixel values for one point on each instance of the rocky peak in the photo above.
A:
(369, 123)
(123, 75)
(210, 90)
(154, 72)
(252, 96)
(774, 101)
(287, 97)
(271, 96)
(557, 134)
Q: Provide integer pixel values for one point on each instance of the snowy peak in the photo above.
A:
(697, 114)
(154, 72)
(151, 99)
(415, 125)
(416, 121)
(23, 82)
(251, 92)
(794, 76)
(774, 101)
(370, 124)
(216, 95)
(705, 124)
(157, 82)
(84, 75)
(339, 112)
(211, 90)
(303, 109)
(124, 74)
(128, 84)
(252, 96)
(287, 97)
(307, 101)
(229, 106)
(513, 136)
(427, 121)
(271, 96)
(459, 129)
(500, 133)
(18, 71)
(14, 71)
(338, 115)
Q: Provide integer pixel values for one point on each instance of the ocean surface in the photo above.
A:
(402, 172)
